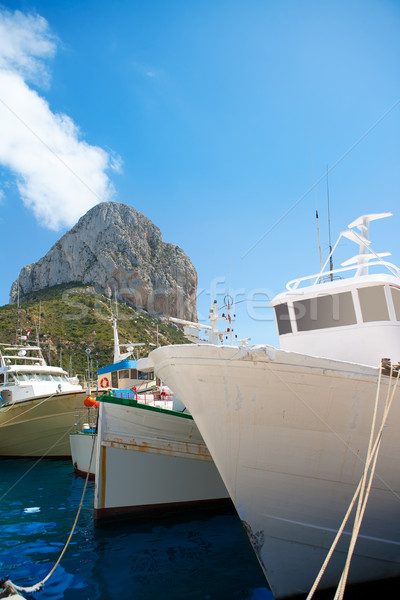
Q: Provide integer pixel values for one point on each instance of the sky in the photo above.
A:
(217, 119)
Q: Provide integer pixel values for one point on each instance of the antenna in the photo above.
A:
(17, 327)
(38, 326)
(316, 211)
(329, 227)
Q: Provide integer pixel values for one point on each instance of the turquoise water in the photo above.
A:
(201, 559)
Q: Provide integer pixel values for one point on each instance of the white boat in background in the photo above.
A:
(83, 440)
(290, 429)
(38, 404)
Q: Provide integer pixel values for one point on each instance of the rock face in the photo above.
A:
(120, 252)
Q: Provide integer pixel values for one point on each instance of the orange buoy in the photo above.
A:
(89, 401)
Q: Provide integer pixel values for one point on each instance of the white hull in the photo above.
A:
(150, 460)
(81, 452)
(39, 427)
(289, 433)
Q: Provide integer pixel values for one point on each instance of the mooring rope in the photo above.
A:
(364, 495)
(15, 403)
(36, 462)
(38, 586)
(360, 493)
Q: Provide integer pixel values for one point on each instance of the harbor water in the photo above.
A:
(204, 558)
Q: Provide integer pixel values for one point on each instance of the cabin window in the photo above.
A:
(373, 304)
(396, 301)
(114, 379)
(43, 377)
(283, 319)
(134, 374)
(124, 374)
(1, 378)
(320, 312)
(143, 375)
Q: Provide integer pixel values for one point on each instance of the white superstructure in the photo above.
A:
(289, 428)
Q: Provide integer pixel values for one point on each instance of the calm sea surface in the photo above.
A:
(202, 559)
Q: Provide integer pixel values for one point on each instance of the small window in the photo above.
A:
(336, 310)
(134, 374)
(124, 374)
(114, 379)
(143, 375)
(373, 304)
(396, 301)
(283, 319)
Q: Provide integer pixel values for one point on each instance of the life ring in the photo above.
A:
(104, 382)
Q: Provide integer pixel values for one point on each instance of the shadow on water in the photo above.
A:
(205, 558)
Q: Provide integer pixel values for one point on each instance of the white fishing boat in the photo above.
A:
(153, 462)
(150, 456)
(123, 381)
(38, 403)
(293, 431)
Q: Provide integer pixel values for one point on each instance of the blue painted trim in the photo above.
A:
(123, 364)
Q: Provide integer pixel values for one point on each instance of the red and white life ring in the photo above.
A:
(104, 382)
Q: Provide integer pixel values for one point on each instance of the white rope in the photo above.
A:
(39, 586)
(372, 455)
(363, 499)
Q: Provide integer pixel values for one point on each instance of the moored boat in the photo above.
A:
(152, 462)
(290, 429)
(38, 403)
(123, 381)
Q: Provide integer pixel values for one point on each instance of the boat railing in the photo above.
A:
(124, 394)
(322, 277)
(86, 419)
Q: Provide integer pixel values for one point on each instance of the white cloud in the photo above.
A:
(59, 176)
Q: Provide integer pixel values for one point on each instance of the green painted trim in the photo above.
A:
(110, 399)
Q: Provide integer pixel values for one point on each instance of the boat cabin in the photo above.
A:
(124, 375)
(355, 318)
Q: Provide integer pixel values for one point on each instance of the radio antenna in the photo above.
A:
(329, 226)
(316, 210)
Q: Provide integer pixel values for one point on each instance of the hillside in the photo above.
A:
(75, 318)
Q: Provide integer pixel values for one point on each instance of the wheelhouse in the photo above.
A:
(355, 319)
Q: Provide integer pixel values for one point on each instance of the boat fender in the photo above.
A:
(104, 382)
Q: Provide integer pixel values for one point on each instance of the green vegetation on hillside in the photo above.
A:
(73, 319)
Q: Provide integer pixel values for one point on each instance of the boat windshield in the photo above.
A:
(30, 377)
(23, 377)
(60, 378)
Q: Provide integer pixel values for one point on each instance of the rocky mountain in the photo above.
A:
(119, 252)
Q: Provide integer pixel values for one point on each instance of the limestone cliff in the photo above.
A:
(120, 252)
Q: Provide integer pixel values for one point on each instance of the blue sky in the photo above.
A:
(212, 118)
